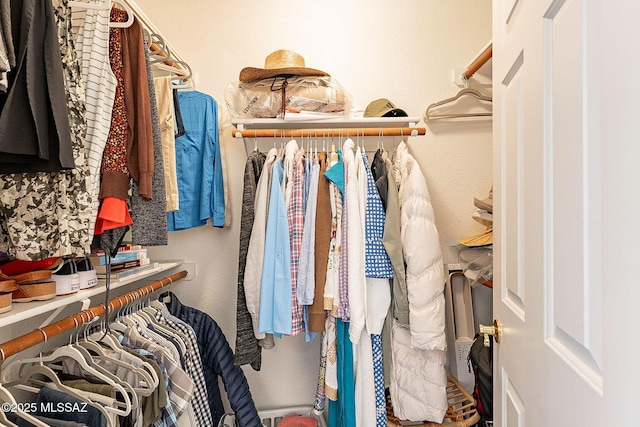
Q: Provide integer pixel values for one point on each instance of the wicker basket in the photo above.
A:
(461, 412)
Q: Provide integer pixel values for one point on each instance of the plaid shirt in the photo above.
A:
(169, 418)
(193, 366)
(295, 216)
(180, 384)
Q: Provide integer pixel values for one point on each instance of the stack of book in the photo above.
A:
(130, 260)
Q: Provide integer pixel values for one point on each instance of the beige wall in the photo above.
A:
(405, 51)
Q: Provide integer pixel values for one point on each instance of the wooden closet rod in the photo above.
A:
(479, 62)
(327, 132)
(37, 336)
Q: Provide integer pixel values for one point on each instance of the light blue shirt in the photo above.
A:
(276, 311)
(335, 173)
(198, 165)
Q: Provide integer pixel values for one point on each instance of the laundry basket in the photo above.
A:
(461, 412)
(272, 417)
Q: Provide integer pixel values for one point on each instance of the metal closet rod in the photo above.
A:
(328, 132)
(41, 335)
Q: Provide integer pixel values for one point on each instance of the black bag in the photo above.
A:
(481, 361)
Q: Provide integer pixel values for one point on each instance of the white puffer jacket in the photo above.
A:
(418, 376)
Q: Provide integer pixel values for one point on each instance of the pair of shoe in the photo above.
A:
(26, 287)
(69, 275)
(74, 274)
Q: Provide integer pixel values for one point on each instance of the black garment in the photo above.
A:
(179, 127)
(35, 134)
(217, 361)
(248, 351)
(379, 172)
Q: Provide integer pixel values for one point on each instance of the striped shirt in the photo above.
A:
(92, 45)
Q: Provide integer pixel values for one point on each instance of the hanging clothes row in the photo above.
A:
(101, 124)
(331, 244)
(157, 363)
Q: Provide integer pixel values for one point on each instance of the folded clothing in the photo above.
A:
(18, 266)
(295, 420)
(262, 99)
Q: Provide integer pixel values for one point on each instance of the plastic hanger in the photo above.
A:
(147, 372)
(463, 93)
(33, 370)
(88, 357)
(27, 375)
(131, 393)
(106, 5)
(5, 422)
(7, 397)
(148, 381)
(130, 15)
(184, 86)
(69, 351)
(143, 321)
(157, 41)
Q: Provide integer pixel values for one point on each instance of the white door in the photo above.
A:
(567, 192)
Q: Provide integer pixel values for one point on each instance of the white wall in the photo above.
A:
(405, 51)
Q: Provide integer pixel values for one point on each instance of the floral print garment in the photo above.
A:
(47, 214)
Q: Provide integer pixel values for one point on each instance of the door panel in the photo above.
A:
(572, 317)
(515, 405)
(513, 292)
(546, 190)
(566, 202)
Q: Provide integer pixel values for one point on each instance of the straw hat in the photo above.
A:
(279, 63)
(482, 239)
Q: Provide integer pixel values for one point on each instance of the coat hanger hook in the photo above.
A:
(46, 338)
(75, 321)
(83, 323)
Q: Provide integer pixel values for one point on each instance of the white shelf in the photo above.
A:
(23, 311)
(292, 122)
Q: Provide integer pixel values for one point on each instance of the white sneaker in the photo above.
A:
(66, 277)
(88, 276)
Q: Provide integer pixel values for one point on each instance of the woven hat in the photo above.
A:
(482, 239)
(280, 63)
(383, 108)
